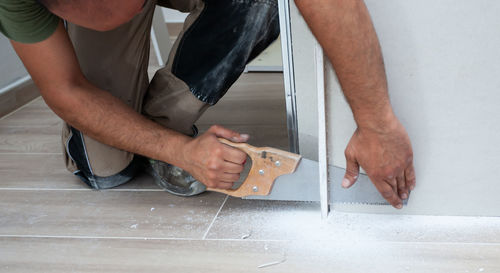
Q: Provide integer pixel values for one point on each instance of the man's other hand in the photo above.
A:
(387, 157)
(212, 163)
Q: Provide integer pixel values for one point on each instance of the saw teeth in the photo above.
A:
(366, 204)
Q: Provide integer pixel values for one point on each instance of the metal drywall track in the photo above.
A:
(288, 74)
(324, 194)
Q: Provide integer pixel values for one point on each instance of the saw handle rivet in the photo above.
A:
(277, 163)
(255, 188)
(261, 172)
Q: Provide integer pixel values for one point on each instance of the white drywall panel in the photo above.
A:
(303, 44)
(443, 66)
(11, 68)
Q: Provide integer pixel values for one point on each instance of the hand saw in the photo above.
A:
(279, 175)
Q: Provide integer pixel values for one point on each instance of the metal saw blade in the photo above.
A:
(303, 185)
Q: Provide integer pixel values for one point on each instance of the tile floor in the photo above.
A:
(51, 222)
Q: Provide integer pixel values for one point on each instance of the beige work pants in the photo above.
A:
(219, 37)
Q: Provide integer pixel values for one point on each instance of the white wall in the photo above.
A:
(11, 68)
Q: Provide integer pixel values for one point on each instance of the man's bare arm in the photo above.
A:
(55, 70)
(380, 144)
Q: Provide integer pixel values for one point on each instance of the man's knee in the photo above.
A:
(90, 167)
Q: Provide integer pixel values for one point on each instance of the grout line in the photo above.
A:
(81, 189)
(38, 126)
(275, 125)
(8, 153)
(230, 240)
(137, 190)
(133, 238)
(215, 217)
(18, 109)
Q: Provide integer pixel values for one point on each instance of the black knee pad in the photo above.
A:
(75, 148)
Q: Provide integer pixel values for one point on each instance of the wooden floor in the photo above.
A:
(52, 222)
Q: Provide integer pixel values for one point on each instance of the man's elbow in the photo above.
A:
(61, 98)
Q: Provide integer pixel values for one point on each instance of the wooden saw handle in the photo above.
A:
(267, 165)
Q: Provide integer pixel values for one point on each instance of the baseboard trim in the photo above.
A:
(16, 95)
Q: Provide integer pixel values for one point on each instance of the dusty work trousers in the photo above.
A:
(218, 39)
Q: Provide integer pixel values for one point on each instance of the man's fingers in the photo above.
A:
(402, 188)
(224, 185)
(230, 167)
(229, 177)
(351, 173)
(228, 134)
(410, 177)
(394, 184)
(233, 155)
(389, 192)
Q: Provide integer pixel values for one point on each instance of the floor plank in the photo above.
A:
(35, 114)
(107, 255)
(268, 136)
(47, 171)
(107, 213)
(30, 139)
(386, 257)
(266, 220)
(35, 171)
(104, 255)
(250, 113)
(255, 99)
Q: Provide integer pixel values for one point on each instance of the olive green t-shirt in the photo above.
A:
(26, 21)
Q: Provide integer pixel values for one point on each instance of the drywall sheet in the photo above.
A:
(11, 68)
(303, 44)
(443, 65)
